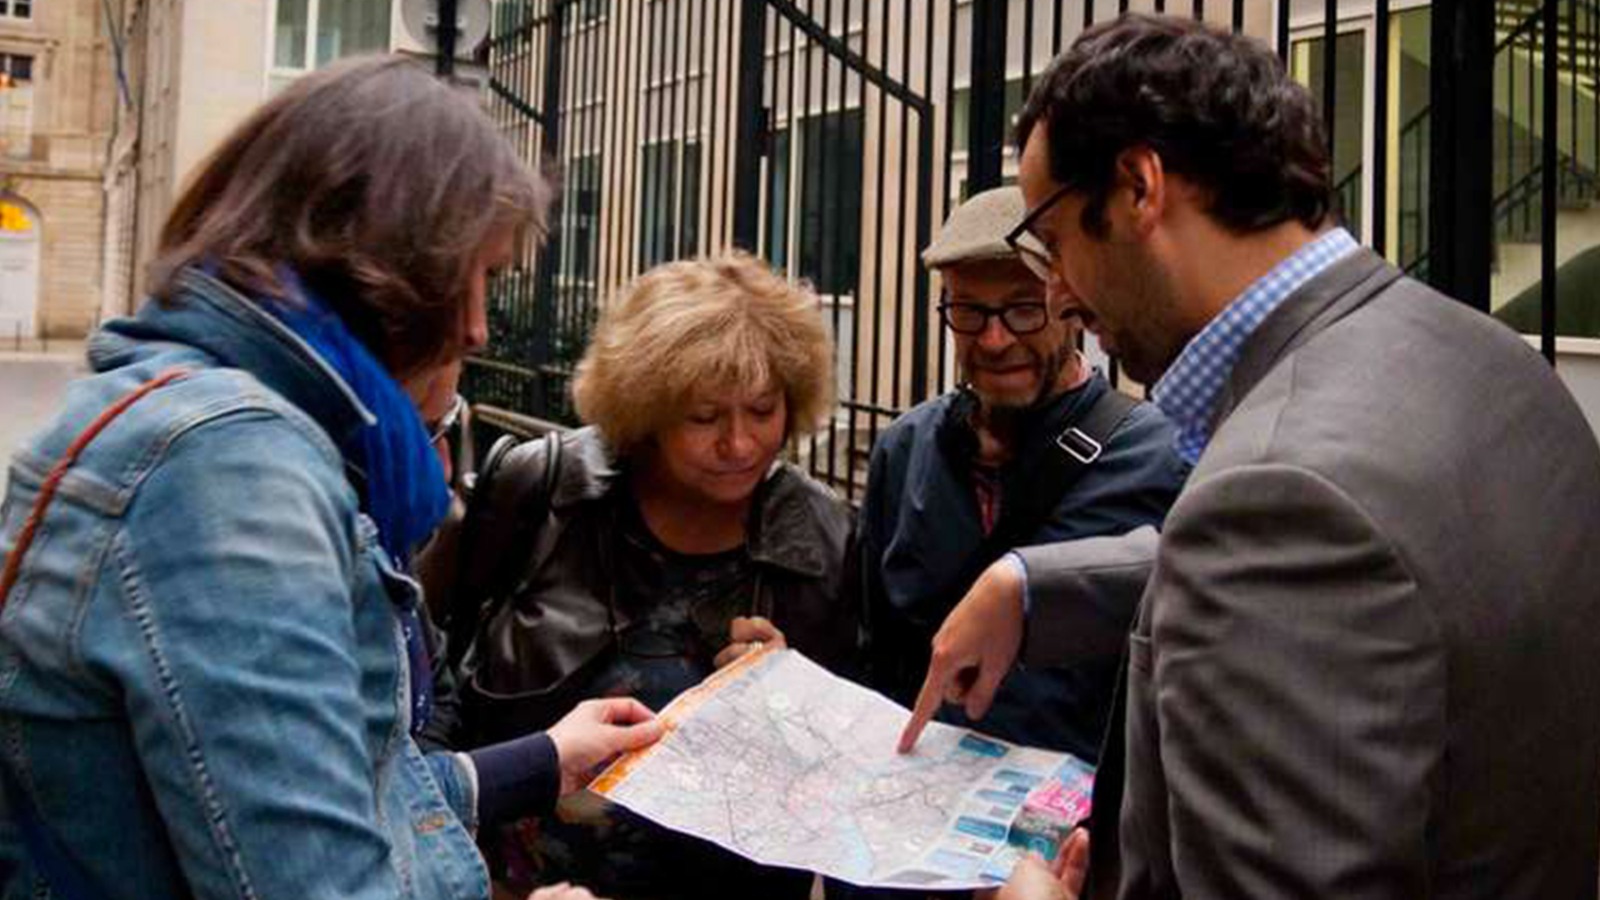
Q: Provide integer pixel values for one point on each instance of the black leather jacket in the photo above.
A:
(561, 616)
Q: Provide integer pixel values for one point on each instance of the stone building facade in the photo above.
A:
(57, 101)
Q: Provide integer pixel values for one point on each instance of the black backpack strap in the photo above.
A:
(506, 508)
(1080, 444)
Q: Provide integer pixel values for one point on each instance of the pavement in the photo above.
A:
(31, 389)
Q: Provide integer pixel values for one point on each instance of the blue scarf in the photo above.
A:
(406, 495)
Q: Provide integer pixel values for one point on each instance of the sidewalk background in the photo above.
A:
(32, 385)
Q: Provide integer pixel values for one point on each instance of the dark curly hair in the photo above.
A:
(1218, 108)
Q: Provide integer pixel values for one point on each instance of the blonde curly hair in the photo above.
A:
(711, 322)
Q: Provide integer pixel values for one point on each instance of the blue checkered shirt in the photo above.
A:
(1189, 391)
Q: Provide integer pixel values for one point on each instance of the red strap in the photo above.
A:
(47, 491)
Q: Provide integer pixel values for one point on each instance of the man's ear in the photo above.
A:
(1142, 184)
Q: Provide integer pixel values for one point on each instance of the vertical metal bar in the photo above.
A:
(712, 151)
(1572, 92)
(1161, 7)
(748, 137)
(1055, 30)
(549, 259)
(1027, 61)
(445, 64)
(719, 117)
(828, 252)
(597, 111)
(702, 159)
(605, 172)
(1511, 117)
(1283, 26)
(986, 111)
(676, 140)
(918, 376)
(1533, 105)
(880, 263)
(1088, 13)
(1330, 76)
(1200, 10)
(1549, 183)
(1461, 166)
(1378, 228)
(921, 322)
(649, 186)
(928, 124)
(638, 94)
(792, 152)
(950, 104)
(1238, 16)
(1122, 6)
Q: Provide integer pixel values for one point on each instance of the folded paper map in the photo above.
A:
(782, 762)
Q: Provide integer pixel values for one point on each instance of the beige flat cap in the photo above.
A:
(977, 229)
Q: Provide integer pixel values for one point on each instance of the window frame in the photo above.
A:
(277, 75)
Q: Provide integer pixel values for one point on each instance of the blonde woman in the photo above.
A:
(676, 541)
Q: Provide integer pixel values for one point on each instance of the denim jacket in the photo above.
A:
(203, 685)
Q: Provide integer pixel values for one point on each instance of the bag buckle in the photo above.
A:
(1079, 445)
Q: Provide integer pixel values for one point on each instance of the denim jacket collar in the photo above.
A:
(213, 317)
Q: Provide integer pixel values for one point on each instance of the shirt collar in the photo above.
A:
(1188, 391)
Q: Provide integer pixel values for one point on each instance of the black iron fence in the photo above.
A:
(832, 136)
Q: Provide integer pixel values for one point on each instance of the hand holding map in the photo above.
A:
(782, 762)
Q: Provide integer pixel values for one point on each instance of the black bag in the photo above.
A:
(506, 506)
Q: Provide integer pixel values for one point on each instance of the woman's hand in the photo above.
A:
(598, 731)
(562, 891)
(747, 634)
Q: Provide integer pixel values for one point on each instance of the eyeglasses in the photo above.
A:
(1034, 252)
(446, 423)
(1021, 318)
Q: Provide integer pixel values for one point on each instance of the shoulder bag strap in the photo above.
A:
(507, 507)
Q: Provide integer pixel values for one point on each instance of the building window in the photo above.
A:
(831, 157)
(669, 220)
(308, 34)
(16, 105)
(16, 9)
(580, 225)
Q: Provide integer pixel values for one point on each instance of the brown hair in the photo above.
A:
(376, 184)
(712, 322)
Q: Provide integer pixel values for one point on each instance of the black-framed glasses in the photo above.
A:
(1025, 317)
(1037, 255)
(442, 426)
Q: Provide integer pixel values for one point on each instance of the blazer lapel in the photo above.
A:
(1340, 289)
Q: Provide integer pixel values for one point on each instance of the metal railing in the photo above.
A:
(831, 136)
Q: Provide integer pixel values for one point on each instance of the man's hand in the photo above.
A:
(745, 635)
(973, 650)
(1034, 879)
(598, 731)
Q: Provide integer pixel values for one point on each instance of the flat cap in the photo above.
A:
(977, 229)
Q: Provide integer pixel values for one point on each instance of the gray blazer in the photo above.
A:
(1367, 663)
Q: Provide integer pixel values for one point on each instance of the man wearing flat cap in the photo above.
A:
(1034, 447)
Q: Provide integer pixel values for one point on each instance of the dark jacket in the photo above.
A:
(922, 545)
(562, 617)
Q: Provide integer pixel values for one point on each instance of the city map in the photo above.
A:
(780, 761)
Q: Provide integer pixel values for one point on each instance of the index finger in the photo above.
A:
(928, 701)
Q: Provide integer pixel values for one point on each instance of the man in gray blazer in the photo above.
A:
(1366, 664)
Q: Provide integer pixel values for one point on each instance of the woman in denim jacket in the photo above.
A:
(211, 665)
